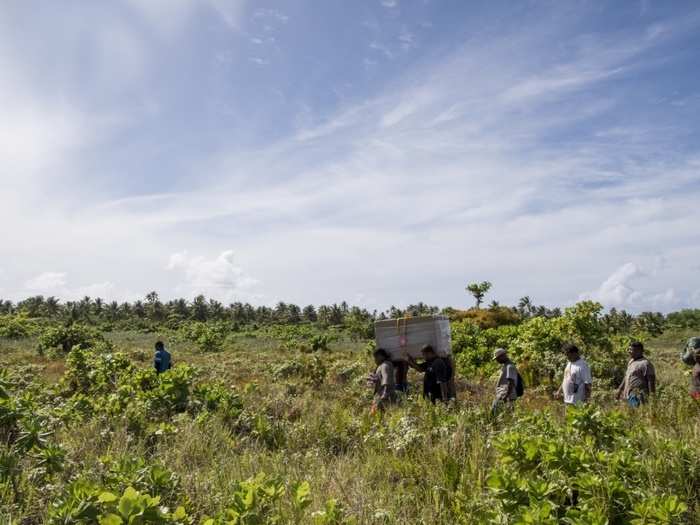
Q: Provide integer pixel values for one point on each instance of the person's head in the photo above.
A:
(636, 350)
(380, 355)
(572, 352)
(501, 355)
(428, 353)
(160, 346)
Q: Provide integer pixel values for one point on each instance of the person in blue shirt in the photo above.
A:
(161, 362)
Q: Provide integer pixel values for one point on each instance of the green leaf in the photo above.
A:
(110, 519)
(179, 513)
(128, 501)
(107, 497)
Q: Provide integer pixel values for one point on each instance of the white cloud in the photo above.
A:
(620, 290)
(391, 4)
(383, 49)
(259, 61)
(56, 284)
(46, 281)
(169, 17)
(407, 39)
(274, 14)
(219, 278)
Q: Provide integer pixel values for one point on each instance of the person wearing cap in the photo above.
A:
(640, 377)
(506, 392)
(437, 374)
(577, 384)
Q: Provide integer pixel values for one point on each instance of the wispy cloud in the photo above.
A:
(259, 61)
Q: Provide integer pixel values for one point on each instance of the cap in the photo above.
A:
(499, 352)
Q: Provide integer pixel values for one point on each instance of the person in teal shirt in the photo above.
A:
(162, 361)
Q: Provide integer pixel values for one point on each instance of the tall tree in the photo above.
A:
(479, 291)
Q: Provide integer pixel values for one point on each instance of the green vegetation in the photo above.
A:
(265, 418)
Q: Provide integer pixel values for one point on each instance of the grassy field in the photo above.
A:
(304, 417)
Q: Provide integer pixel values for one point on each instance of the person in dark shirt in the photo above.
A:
(437, 373)
(161, 360)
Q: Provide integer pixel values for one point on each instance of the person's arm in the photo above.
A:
(415, 365)
(156, 362)
(559, 393)
(512, 374)
(621, 388)
(587, 383)
(511, 388)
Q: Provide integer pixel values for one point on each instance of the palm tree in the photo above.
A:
(199, 308)
(309, 313)
(51, 306)
(525, 306)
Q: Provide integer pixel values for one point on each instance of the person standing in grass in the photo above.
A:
(383, 381)
(577, 384)
(640, 377)
(437, 374)
(506, 387)
(161, 360)
(695, 377)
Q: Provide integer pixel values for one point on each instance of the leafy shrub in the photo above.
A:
(64, 338)
(484, 319)
(16, 326)
(209, 337)
(84, 502)
(587, 470)
(260, 500)
(536, 344)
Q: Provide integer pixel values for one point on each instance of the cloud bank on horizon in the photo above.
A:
(382, 152)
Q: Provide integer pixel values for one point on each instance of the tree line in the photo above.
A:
(152, 310)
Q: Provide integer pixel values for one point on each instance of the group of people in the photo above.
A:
(438, 377)
(576, 388)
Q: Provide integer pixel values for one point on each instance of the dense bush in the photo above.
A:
(689, 318)
(487, 318)
(591, 469)
(209, 337)
(536, 344)
(16, 326)
(63, 338)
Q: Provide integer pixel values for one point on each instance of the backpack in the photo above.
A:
(688, 356)
(519, 386)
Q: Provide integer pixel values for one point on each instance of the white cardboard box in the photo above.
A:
(406, 336)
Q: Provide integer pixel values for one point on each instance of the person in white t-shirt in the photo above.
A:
(576, 386)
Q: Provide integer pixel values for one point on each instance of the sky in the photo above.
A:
(375, 151)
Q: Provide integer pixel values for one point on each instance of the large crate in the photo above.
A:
(406, 336)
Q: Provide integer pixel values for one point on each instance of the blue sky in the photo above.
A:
(380, 152)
